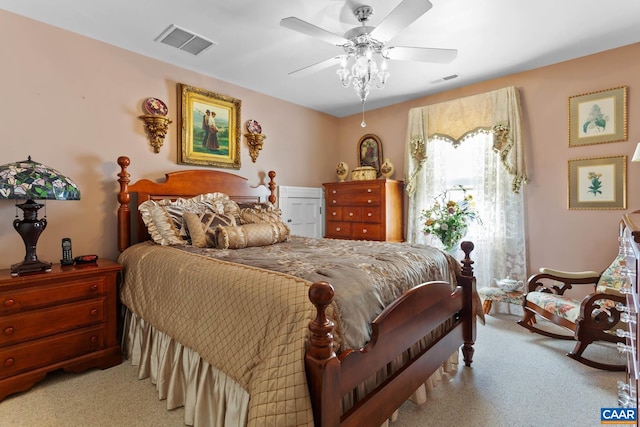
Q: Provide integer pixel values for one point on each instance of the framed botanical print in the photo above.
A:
(370, 152)
(210, 128)
(598, 183)
(598, 117)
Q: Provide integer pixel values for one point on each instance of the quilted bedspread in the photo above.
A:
(247, 311)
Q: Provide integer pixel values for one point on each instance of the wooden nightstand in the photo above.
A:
(65, 319)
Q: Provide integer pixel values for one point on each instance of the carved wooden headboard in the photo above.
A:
(184, 183)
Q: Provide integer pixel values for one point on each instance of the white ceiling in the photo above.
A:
(493, 38)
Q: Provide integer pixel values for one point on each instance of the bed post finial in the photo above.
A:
(272, 186)
(124, 214)
(467, 269)
(321, 341)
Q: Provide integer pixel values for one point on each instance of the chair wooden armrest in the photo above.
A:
(566, 278)
(570, 274)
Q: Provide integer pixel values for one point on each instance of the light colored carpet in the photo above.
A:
(517, 379)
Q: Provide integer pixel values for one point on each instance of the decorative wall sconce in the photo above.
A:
(156, 124)
(636, 154)
(255, 139)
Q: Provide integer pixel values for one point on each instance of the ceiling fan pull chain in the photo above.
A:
(363, 124)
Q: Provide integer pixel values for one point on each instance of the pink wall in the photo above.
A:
(72, 103)
(557, 237)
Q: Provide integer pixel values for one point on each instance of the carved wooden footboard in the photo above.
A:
(401, 325)
(406, 323)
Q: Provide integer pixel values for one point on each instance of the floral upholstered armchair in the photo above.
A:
(595, 318)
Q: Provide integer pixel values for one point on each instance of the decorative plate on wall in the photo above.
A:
(253, 126)
(155, 106)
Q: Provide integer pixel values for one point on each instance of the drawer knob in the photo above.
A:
(338, 229)
(94, 312)
(369, 190)
(334, 192)
(93, 339)
(334, 201)
(364, 230)
(350, 213)
(369, 214)
(93, 288)
(9, 302)
(9, 362)
(9, 330)
(368, 201)
(333, 213)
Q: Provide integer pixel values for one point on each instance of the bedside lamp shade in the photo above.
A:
(29, 180)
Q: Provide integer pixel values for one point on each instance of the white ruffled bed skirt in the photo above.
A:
(209, 396)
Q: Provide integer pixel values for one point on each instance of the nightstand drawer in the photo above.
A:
(35, 324)
(35, 354)
(338, 230)
(11, 301)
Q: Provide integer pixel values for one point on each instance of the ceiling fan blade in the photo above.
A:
(308, 29)
(400, 18)
(422, 54)
(302, 72)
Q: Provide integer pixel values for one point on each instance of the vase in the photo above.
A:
(342, 170)
(455, 250)
(387, 169)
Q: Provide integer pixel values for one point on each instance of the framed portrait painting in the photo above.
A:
(370, 152)
(210, 128)
(598, 183)
(598, 117)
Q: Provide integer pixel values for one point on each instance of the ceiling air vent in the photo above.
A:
(184, 40)
(444, 79)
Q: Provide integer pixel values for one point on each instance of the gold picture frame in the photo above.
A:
(598, 117)
(598, 183)
(210, 128)
(370, 152)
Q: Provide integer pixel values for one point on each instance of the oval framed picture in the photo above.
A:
(370, 152)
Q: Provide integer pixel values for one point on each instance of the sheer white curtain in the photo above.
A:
(487, 145)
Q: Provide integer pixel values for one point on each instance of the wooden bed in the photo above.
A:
(399, 327)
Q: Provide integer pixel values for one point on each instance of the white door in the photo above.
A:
(302, 210)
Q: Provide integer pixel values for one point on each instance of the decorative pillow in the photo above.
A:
(202, 227)
(257, 213)
(163, 218)
(160, 225)
(249, 235)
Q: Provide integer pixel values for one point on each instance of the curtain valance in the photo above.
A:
(498, 112)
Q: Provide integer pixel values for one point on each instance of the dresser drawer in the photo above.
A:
(361, 195)
(366, 231)
(338, 230)
(11, 301)
(34, 324)
(24, 357)
(334, 214)
(373, 214)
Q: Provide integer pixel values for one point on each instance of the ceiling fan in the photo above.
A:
(362, 44)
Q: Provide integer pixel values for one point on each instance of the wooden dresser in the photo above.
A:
(628, 391)
(365, 210)
(63, 319)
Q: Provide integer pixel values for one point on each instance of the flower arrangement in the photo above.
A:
(448, 219)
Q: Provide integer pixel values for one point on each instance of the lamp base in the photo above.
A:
(26, 267)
